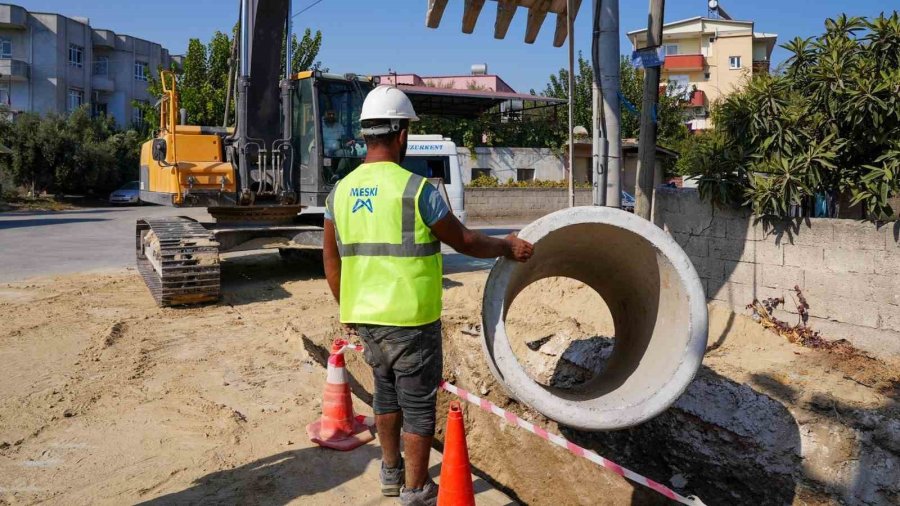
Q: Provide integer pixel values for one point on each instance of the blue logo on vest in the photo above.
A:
(360, 204)
(363, 203)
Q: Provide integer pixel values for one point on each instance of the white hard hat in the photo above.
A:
(388, 103)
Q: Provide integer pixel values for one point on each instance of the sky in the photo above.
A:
(373, 36)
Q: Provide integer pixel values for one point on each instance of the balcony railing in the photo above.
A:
(104, 38)
(761, 66)
(14, 70)
(698, 98)
(102, 83)
(101, 68)
(13, 16)
(685, 62)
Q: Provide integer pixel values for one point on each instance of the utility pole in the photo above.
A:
(646, 169)
(605, 55)
(599, 148)
(570, 7)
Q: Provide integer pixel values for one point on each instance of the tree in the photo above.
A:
(196, 93)
(25, 165)
(672, 130)
(203, 77)
(529, 128)
(69, 154)
(304, 51)
(829, 125)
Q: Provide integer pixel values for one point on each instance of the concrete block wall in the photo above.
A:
(848, 270)
(520, 203)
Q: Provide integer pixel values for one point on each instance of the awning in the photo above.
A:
(468, 103)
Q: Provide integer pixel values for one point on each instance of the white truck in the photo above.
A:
(435, 157)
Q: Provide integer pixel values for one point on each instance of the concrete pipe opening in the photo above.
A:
(653, 293)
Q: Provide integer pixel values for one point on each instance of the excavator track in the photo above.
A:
(178, 259)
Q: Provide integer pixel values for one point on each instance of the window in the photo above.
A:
(680, 86)
(671, 49)
(477, 173)
(101, 66)
(5, 48)
(141, 70)
(76, 55)
(4, 94)
(524, 174)
(75, 99)
(137, 112)
(429, 166)
(304, 125)
(99, 109)
(734, 62)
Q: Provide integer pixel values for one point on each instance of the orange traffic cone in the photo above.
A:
(338, 427)
(456, 474)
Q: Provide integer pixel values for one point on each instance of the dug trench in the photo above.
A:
(107, 399)
(764, 422)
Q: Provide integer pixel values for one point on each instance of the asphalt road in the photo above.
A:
(46, 243)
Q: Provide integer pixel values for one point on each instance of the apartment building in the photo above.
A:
(50, 63)
(709, 58)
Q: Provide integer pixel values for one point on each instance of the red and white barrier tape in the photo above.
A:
(556, 439)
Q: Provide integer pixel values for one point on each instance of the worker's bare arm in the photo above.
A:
(451, 232)
(332, 261)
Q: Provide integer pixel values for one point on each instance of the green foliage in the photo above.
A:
(671, 128)
(546, 127)
(830, 124)
(304, 52)
(69, 154)
(705, 157)
(484, 181)
(558, 87)
(532, 128)
(203, 78)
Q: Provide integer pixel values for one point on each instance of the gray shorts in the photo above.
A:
(407, 365)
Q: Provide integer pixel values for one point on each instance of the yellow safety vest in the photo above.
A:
(391, 264)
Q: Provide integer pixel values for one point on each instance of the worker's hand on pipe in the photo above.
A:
(518, 249)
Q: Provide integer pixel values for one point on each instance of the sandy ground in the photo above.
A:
(107, 399)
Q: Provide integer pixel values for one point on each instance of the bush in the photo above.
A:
(69, 154)
(484, 181)
(828, 125)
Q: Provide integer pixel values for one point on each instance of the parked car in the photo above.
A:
(627, 202)
(127, 194)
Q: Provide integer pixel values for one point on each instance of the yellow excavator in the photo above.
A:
(293, 140)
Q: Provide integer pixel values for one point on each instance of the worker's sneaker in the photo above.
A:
(392, 479)
(425, 496)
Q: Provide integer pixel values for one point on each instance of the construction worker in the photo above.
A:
(332, 133)
(383, 232)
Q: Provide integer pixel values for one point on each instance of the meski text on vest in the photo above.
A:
(363, 203)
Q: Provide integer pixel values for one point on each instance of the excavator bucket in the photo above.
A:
(506, 10)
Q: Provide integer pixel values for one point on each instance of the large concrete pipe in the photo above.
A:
(655, 298)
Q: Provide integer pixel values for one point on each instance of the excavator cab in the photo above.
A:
(327, 141)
